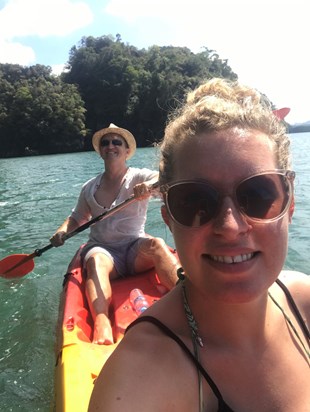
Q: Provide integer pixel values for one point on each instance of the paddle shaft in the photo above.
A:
(102, 216)
(38, 252)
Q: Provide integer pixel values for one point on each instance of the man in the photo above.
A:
(117, 245)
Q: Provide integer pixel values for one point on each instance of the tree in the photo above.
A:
(136, 88)
(106, 74)
(39, 112)
(106, 80)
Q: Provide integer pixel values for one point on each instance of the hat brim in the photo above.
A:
(125, 134)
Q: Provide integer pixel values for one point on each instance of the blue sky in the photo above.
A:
(265, 41)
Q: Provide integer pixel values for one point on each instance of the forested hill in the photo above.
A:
(299, 127)
(106, 80)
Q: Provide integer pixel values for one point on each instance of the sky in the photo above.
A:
(264, 41)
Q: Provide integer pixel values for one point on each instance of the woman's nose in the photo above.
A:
(229, 222)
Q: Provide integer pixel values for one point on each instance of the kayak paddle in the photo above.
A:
(16, 266)
(281, 113)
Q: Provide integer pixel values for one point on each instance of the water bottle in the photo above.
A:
(138, 301)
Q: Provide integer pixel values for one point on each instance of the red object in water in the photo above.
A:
(281, 113)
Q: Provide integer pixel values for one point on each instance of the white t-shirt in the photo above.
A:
(124, 225)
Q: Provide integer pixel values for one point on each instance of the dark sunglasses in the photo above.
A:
(263, 197)
(115, 142)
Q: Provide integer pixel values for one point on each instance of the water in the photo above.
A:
(36, 195)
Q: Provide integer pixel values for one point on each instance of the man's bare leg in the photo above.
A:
(98, 291)
(154, 252)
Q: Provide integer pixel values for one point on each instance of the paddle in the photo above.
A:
(15, 266)
(281, 113)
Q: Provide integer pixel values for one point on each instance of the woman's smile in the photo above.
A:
(231, 259)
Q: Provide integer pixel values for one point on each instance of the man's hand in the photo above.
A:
(57, 239)
(142, 190)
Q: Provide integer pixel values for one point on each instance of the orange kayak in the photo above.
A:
(78, 360)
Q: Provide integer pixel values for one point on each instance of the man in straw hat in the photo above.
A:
(117, 245)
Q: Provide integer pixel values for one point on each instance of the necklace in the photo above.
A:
(190, 318)
(194, 327)
(196, 339)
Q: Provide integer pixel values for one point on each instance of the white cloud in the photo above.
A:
(134, 10)
(58, 68)
(42, 18)
(16, 53)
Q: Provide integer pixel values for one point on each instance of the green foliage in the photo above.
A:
(136, 89)
(106, 81)
(40, 114)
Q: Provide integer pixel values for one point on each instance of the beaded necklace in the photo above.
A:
(194, 327)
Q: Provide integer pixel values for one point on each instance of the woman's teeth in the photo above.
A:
(232, 259)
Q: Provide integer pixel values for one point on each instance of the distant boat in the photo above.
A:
(30, 152)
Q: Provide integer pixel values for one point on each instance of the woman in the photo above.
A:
(228, 337)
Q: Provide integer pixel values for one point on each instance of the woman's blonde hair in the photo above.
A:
(221, 104)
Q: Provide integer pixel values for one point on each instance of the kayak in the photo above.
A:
(78, 360)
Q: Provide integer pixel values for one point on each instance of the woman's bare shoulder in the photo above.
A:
(298, 284)
(294, 278)
(144, 359)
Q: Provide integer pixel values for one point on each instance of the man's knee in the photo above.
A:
(154, 246)
(100, 264)
(96, 259)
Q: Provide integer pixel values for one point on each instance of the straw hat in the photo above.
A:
(125, 134)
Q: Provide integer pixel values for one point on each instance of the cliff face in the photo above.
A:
(299, 127)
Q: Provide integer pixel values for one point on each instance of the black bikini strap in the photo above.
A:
(173, 336)
(294, 307)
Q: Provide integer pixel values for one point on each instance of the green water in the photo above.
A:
(36, 195)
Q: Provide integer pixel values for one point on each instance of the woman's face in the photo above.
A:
(229, 259)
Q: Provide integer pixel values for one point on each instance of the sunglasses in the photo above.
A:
(115, 142)
(263, 197)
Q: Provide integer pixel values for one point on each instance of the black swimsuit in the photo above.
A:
(222, 406)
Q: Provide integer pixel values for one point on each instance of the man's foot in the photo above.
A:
(102, 330)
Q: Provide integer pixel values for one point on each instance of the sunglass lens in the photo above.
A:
(192, 204)
(115, 142)
(264, 196)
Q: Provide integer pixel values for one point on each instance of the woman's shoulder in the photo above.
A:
(298, 284)
(144, 369)
(155, 328)
(294, 278)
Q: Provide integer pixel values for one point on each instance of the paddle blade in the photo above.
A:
(281, 113)
(16, 266)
